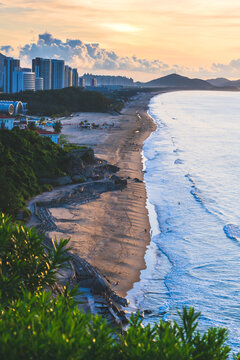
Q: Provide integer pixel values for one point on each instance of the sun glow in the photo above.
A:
(121, 27)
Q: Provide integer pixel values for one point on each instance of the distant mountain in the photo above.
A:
(218, 82)
(222, 82)
(178, 81)
(235, 83)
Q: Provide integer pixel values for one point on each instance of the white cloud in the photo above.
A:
(92, 57)
(87, 55)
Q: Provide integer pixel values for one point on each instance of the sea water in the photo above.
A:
(192, 175)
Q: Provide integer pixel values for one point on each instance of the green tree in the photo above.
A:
(57, 126)
(32, 125)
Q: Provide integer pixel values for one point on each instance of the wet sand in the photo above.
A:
(113, 231)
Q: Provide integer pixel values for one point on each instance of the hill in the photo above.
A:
(222, 82)
(61, 102)
(178, 81)
(25, 157)
(218, 82)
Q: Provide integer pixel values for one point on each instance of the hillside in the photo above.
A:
(24, 158)
(218, 82)
(178, 81)
(222, 82)
(61, 102)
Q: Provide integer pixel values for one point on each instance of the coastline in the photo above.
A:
(112, 231)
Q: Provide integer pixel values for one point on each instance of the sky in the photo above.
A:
(137, 38)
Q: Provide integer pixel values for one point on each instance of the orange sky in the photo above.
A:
(189, 33)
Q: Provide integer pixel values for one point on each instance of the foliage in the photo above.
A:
(70, 147)
(61, 102)
(32, 126)
(57, 126)
(34, 324)
(39, 326)
(25, 157)
(24, 262)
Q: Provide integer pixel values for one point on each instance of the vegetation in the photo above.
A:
(25, 158)
(61, 102)
(57, 126)
(36, 323)
(32, 126)
(69, 147)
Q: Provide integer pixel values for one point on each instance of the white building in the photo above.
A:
(24, 81)
(6, 122)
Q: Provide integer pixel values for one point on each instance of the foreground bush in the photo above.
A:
(37, 324)
(24, 262)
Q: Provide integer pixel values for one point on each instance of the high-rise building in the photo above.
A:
(68, 75)
(57, 74)
(2, 57)
(38, 83)
(26, 69)
(94, 82)
(42, 68)
(74, 77)
(81, 82)
(108, 80)
(11, 67)
(24, 81)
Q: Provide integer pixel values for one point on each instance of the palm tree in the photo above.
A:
(57, 126)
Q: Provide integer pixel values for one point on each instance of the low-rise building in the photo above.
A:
(51, 135)
(6, 122)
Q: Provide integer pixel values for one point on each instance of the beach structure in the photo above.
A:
(49, 134)
(6, 122)
(6, 107)
(11, 107)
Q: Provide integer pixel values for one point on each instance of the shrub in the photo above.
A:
(24, 262)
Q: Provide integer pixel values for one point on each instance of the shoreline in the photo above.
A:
(112, 232)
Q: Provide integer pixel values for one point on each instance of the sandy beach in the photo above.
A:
(112, 232)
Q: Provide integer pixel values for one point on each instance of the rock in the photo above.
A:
(100, 285)
(63, 180)
(120, 300)
(108, 168)
(119, 181)
(137, 180)
(78, 178)
(147, 311)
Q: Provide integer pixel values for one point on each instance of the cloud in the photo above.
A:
(6, 49)
(90, 56)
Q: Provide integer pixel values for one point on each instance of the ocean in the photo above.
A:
(192, 175)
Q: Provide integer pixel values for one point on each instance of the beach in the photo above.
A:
(112, 232)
